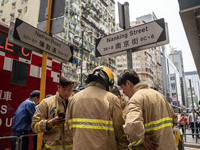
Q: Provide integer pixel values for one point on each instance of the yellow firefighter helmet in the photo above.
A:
(104, 73)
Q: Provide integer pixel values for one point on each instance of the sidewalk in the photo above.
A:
(191, 142)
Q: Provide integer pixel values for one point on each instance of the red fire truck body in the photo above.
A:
(20, 74)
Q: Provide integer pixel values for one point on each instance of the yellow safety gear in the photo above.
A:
(109, 74)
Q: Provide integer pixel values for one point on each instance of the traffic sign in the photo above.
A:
(56, 25)
(143, 47)
(135, 37)
(40, 40)
(58, 9)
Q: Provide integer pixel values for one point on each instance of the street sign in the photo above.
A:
(58, 9)
(34, 37)
(57, 25)
(84, 63)
(136, 37)
(143, 47)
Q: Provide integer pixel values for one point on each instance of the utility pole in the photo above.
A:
(82, 36)
(124, 23)
(193, 110)
(44, 66)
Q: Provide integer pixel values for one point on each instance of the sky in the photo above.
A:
(169, 10)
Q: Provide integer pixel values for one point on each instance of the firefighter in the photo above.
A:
(150, 118)
(49, 117)
(123, 102)
(94, 114)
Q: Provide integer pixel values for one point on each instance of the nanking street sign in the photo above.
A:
(38, 39)
(135, 37)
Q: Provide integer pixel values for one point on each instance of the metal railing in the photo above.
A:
(195, 135)
(12, 137)
(18, 145)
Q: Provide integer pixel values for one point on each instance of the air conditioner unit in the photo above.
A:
(82, 23)
(19, 10)
(12, 15)
(71, 1)
(14, 3)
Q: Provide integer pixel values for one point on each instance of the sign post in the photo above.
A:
(44, 66)
(129, 40)
(124, 20)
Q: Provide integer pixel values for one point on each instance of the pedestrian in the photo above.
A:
(182, 122)
(94, 114)
(49, 117)
(192, 121)
(198, 120)
(150, 117)
(22, 119)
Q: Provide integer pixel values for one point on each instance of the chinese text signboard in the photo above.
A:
(13, 48)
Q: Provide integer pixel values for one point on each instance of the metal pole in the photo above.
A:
(82, 36)
(199, 92)
(127, 26)
(193, 109)
(44, 66)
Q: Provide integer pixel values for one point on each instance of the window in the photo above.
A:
(26, 9)
(19, 73)
(19, 12)
(2, 2)
(173, 85)
(12, 16)
(3, 19)
(13, 5)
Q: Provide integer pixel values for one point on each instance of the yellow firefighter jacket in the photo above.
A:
(57, 136)
(94, 116)
(149, 113)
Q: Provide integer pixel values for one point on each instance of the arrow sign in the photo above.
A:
(38, 39)
(136, 37)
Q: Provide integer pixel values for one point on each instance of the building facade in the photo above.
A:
(177, 58)
(174, 83)
(195, 83)
(84, 22)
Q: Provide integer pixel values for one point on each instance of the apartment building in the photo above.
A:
(195, 84)
(84, 22)
(177, 59)
(174, 83)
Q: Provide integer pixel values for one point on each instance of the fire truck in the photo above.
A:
(20, 74)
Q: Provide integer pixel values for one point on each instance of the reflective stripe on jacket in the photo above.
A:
(149, 113)
(95, 118)
(90, 124)
(57, 136)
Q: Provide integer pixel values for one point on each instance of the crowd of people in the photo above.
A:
(96, 117)
(188, 121)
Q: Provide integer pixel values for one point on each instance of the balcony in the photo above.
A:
(96, 17)
(104, 3)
